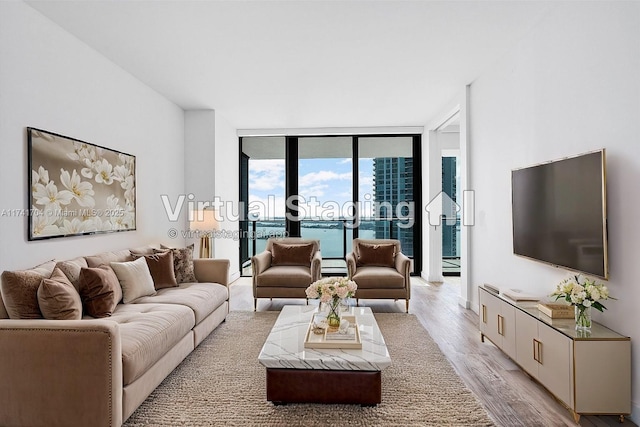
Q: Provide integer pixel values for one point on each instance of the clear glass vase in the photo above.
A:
(333, 318)
(583, 317)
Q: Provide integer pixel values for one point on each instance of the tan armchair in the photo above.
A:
(286, 268)
(380, 270)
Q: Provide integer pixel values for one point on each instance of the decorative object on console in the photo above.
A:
(331, 291)
(556, 311)
(583, 293)
(204, 222)
(78, 188)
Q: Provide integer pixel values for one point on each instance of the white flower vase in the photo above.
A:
(583, 318)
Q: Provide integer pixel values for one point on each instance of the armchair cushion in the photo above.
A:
(380, 255)
(289, 276)
(292, 254)
(378, 278)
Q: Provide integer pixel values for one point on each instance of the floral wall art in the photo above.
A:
(78, 188)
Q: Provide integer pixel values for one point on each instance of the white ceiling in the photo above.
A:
(303, 64)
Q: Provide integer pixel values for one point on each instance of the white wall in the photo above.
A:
(569, 87)
(199, 155)
(52, 81)
(227, 170)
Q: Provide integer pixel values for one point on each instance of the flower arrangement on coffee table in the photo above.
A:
(332, 290)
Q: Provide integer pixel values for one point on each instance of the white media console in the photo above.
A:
(589, 373)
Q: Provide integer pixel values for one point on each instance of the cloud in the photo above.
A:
(265, 175)
(345, 161)
(322, 176)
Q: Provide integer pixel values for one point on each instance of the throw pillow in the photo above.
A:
(100, 291)
(58, 298)
(380, 255)
(161, 267)
(135, 279)
(291, 253)
(71, 269)
(182, 263)
(20, 294)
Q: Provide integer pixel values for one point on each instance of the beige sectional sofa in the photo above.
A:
(96, 372)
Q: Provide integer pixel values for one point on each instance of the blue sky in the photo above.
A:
(328, 180)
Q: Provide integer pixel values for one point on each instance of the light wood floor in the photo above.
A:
(508, 394)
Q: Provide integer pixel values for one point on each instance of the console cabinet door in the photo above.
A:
(527, 346)
(555, 369)
(489, 312)
(508, 329)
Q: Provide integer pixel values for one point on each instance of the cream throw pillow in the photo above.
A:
(135, 279)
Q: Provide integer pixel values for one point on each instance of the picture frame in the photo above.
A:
(78, 188)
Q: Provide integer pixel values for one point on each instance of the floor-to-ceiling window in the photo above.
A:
(331, 188)
(262, 192)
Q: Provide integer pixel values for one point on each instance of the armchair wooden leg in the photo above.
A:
(407, 306)
(255, 304)
(307, 301)
(357, 302)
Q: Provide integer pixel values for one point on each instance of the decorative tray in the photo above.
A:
(334, 339)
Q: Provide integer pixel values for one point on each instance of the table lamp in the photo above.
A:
(204, 221)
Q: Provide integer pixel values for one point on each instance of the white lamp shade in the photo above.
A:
(204, 220)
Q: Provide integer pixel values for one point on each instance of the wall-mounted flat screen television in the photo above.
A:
(559, 213)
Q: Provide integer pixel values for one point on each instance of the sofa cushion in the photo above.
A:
(20, 291)
(58, 298)
(135, 279)
(381, 255)
(147, 332)
(182, 263)
(378, 278)
(107, 257)
(161, 268)
(291, 254)
(20, 294)
(99, 290)
(202, 298)
(286, 277)
(71, 269)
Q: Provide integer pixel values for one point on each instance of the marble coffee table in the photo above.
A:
(296, 374)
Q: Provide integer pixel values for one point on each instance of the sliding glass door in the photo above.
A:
(331, 188)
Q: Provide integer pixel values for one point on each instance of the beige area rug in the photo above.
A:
(222, 384)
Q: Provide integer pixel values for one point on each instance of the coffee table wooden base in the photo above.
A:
(323, 386)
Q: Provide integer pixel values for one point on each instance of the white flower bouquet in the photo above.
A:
(582, 291)
(331, 288)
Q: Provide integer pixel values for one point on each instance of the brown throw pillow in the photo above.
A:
(58, 298)
(100, 291)
(20, 294)
(161, 267)
(291, 253)
(376, 255)
(182, 263)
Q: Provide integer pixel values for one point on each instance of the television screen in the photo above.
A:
(559, 213)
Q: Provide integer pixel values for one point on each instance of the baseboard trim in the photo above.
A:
(234, 276)
(464, 303)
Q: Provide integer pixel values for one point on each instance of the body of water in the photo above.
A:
(331, 239)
